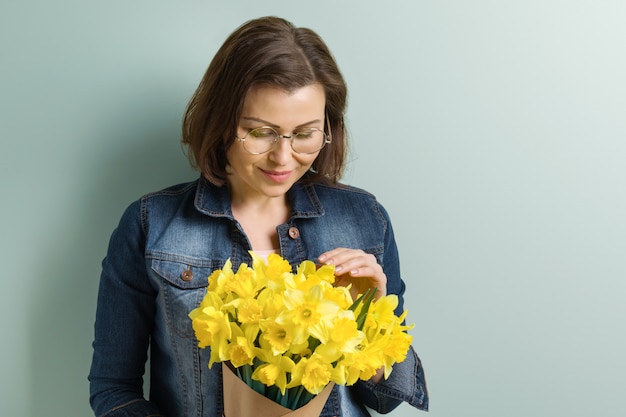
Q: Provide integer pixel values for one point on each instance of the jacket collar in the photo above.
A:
(214, 200)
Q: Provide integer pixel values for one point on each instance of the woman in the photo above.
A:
(265, 128)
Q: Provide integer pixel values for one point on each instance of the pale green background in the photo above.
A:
(493, 131)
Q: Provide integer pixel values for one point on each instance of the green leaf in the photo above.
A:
(369, 296)
(358, 301)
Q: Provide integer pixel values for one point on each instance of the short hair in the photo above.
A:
(265, 51)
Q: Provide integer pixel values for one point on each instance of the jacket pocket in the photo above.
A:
(182, 282)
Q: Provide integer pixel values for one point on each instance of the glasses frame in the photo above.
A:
(278, 136)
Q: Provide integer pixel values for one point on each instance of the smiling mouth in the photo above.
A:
(277, 176)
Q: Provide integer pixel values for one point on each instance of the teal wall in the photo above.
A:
(493, 131)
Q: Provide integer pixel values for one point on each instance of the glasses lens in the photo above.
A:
(260, 140)
(308, 140)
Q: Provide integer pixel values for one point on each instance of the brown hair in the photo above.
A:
(272, 51)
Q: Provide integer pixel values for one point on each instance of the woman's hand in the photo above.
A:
(353, 266)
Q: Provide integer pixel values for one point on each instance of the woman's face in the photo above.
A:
(273, 173)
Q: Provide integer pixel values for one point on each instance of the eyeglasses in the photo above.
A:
(303, 141)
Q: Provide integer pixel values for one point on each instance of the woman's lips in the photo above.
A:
(277, 176)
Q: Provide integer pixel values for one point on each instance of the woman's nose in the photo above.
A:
(281, 152)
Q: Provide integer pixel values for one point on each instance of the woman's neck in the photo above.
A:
(259, 219)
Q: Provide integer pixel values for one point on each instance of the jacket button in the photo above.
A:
(187, 275)
(294, 233)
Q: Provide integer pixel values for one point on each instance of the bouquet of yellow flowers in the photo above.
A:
(289, 336)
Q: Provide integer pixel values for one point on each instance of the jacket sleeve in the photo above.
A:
(406, 382)
(124, 322)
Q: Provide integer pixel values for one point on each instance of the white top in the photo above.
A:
(265, 253)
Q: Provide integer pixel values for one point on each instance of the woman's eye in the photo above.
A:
(261, 133)
(305, 134)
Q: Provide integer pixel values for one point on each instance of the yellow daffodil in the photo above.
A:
(310, 308)
(339, 295)
(275, 273)
(209, 323)
(243, 283)
(278, 337)
(250, 311)
(242, 350)
(313, 373)
(381, 315)
(219, 278)
(345, 372)
(396, 350)
(274, 371)
(341, 337)
(309, 275)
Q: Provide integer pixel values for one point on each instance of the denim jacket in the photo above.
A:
(155, 273)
